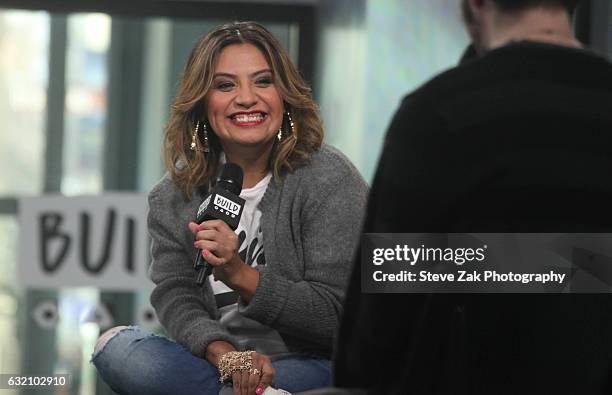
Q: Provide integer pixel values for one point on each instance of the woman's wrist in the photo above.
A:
(233, 270)
(243, 279)
(216, 349)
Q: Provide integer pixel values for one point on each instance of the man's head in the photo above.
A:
(484, 16)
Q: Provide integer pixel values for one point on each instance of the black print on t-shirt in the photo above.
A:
(251, 253)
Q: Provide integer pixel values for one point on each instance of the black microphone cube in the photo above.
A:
(221, 204)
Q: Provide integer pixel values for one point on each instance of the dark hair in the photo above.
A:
(517, 5)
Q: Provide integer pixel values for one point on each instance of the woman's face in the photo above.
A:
(244, 108)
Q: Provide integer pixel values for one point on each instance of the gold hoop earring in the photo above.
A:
(291, 125)
(279, 135)
(194, 138)
(205, 133)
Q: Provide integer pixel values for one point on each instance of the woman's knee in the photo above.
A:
(302, 374)
(134, 361)
(106, 336)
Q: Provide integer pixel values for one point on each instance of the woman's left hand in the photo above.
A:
(255, 381)
(219, 245)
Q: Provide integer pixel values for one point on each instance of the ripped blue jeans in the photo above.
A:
(137, 362)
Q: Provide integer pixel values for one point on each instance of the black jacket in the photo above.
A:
(518, 140)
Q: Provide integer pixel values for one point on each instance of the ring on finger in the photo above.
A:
(255, 371)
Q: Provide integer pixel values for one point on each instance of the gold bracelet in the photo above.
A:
(234, 361)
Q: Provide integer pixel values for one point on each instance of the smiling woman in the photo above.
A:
(244, 107)
(239, 68)
(280, 277)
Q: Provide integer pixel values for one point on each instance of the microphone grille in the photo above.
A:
(231, 177)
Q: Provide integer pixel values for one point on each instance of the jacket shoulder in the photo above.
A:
(328, 163)
(166, 196)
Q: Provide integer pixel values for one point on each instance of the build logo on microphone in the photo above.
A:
(223, 203)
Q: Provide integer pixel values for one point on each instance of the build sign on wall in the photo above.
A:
(98, 241)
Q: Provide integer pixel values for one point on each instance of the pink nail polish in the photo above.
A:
(204, 252)
(195, 243)
(259, 391)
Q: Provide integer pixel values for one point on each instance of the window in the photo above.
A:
(83, 101)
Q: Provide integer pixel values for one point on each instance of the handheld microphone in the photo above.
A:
(224, 203)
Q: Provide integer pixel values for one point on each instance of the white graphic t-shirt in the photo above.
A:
(250, 334)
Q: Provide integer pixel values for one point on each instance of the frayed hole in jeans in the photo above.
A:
(105, 338)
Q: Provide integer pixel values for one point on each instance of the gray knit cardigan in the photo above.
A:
(311, 221)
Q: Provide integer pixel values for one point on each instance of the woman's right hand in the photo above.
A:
(257, 380)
